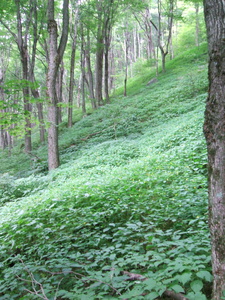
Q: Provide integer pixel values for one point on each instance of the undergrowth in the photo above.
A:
(130, 196)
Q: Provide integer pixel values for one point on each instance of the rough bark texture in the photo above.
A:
(55, 57)
(214, 130)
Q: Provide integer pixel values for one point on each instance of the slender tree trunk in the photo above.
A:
(106, 77)
(89, 71)
(99, 55)
(27, 105)
(214, 129)
(106, 74)
(72, 66)
(2, 97)
(112, 69)
(41, 122)
(99, 72)
(163, 56)
(22, 46)
(59, 90)
(79, 91)
(2, 138)
(55, 57)
(53, 153)
(126, 61)
(71, 86)
(82, 64)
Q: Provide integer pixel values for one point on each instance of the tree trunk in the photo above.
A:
(214, 130)
(59, 91)
(99, 54)
(22, 46)
(99, 72)
(39, 105)
(55, 57)
(89, 71)
(82, 65)
(163, 57)
(27, 105)
(72, 66)
(126, 50)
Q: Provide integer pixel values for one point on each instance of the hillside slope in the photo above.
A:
(130, 196)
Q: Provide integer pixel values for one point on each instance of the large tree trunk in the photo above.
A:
(55, 57)
(214, 129)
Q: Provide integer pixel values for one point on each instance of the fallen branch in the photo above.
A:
(175, 296)
(167, 293)
(133, 276)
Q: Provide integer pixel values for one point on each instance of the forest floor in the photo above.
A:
(130, 196)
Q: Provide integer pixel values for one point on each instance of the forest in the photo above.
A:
(105, 185)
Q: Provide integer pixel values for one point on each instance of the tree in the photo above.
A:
(55, 55)
(164, 28)
(21, 39)
(214, 130)
(73, 35)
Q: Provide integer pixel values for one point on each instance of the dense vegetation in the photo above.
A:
(130, 195)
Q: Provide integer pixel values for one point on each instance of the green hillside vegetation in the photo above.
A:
(130, 195)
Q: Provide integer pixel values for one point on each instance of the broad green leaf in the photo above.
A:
(184, 278)
(152, 296)
(196, 285)
(177, 288)
(204, 275)
(196, 296)
(150, 284)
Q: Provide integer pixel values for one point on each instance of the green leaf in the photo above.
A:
(205, 275)
(196, 285)
(152, 295)
(184, 278)
(195, 296)
(150, 284)
(177, 288)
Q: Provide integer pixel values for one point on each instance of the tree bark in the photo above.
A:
(89, 71)
(55, 58)
(214, 130)
(99, 71)
(23, 49)
(59, 91)
(99, 54)
(126, 50)
(72, 66)
(82, 65)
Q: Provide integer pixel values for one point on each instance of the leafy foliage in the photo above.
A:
(131, 195)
